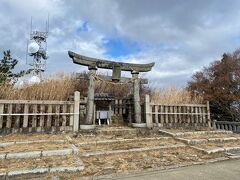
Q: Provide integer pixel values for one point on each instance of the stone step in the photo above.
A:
(11, 174)
(36, 154)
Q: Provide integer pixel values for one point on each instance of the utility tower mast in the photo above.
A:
(37, 49)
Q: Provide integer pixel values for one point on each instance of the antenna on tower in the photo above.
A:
(31, 26)
(27, 53)
(47, 24)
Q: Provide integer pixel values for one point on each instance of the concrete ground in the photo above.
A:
(225, 170)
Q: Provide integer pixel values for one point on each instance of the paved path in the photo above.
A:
(225, 170)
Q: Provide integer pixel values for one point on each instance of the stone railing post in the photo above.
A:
(214, 124)
(148, 112)
(208, 114)
(76, 111)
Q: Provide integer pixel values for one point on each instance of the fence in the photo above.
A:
(171, 115)
(227, 125)
(39, 116)
(42, 116)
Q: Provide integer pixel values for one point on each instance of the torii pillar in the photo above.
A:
(90, 99)
(136, 96)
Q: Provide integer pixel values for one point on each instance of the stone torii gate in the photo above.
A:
(117, 67)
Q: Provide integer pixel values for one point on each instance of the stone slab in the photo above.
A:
(234, 157)
(5, 144)
(187, 141)
(216, 150)
(229, 139)
(192, 141)
(28, 171)
(206, 132)
(59, 152)
(232, 149)
(179, 134)
(215, 139)
(32, 154)
(198, 141)
(222, 139)
(66, 169)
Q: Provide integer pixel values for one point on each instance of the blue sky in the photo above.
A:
(181, 38)
(117, 47)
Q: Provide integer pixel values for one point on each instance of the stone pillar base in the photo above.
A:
(139, 125)
(87, 127)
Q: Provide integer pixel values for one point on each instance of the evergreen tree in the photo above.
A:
(7, 65)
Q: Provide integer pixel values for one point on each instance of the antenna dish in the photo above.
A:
(33, 47)
(34, 80)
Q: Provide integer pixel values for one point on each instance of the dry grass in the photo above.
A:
(58, 87)
(214, 145)
(34, 147)
(62, 86)
(53, 161)
(172, 95)
(127, 145)
(187, 129)
(138, 161)
(31, 137)
(207, 136)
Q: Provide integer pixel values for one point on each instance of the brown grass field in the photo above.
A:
(62, 86)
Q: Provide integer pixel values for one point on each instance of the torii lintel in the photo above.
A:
(106, 64)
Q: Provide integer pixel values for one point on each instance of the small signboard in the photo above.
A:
(102, 114)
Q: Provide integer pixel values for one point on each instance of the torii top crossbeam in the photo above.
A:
(106, 64)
